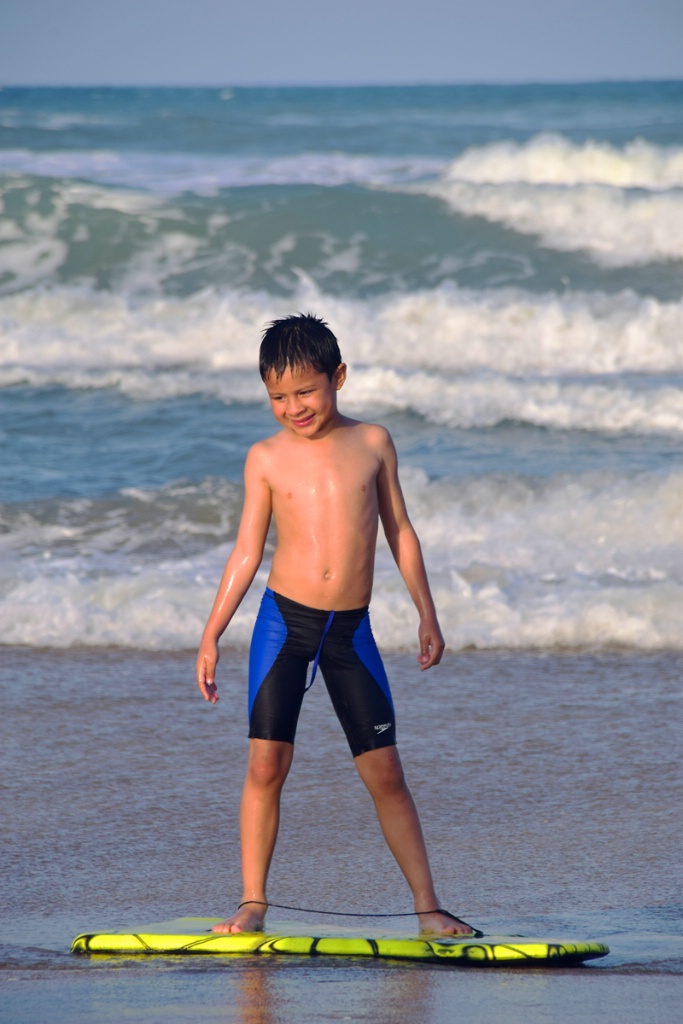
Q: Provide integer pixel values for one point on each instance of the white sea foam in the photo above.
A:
(622, 206)
(567, 562)
(486, 401)
(615, 228)
(555, 160)
(31, 260)
(545, 160)
(510, 331)
(169, 174)
(132, 570)
(570, 561)
(459, 358)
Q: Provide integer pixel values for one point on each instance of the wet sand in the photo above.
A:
(549, 787)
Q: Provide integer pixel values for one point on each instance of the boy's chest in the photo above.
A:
(325, 475)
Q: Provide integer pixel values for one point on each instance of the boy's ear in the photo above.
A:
(339, 376)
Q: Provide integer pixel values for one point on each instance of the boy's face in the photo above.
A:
(304, 400)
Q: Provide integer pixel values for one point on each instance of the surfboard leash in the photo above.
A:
(343, 913)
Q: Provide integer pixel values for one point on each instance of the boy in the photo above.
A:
(326, 480)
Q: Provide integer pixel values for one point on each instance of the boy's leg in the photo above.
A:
(267, 769)
(382, 773)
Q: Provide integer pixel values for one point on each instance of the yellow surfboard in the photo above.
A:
(186, 935)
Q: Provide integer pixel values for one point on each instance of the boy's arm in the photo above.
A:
(240, 569)
(405, 547)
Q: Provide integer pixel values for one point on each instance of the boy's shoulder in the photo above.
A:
(364, 431)
(375, 435)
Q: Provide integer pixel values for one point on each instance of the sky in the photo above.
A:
(318, 42)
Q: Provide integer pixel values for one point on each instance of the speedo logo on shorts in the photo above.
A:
(382, 728)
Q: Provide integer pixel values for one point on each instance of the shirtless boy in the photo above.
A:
(326, 480)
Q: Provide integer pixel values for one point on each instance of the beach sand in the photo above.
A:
(548, 784)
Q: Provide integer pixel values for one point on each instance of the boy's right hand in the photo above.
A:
(207, 659)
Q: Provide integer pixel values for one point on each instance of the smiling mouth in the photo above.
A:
(304, 421)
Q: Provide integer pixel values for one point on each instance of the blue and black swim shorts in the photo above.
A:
(287, 637)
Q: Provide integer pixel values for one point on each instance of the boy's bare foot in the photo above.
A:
(441, 922)
(249, 917)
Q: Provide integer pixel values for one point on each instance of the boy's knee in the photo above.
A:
(269, 763)
(381, 771)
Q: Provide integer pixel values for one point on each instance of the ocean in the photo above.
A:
(503, 268)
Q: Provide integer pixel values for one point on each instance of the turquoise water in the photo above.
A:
(502, 266)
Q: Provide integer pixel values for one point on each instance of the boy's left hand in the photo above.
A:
(207, 660)
(432, 645)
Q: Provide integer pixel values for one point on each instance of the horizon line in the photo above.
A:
(416, 84)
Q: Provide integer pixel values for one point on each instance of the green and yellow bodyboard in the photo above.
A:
(193, 935)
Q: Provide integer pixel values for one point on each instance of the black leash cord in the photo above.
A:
(334, 913)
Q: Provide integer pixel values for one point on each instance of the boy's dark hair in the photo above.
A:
(297, 342)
